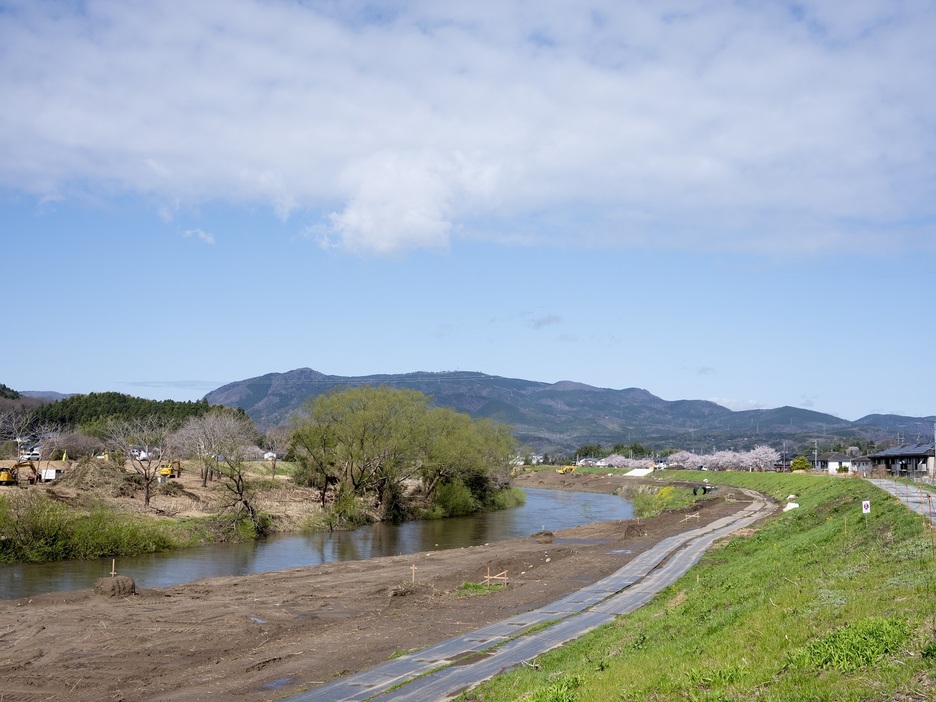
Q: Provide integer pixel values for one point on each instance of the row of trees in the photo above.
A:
(372, 445)
(90, 413)
(760, 458)
(223, 441)
(634, 450)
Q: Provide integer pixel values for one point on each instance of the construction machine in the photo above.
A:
(10, 475)
(565, 470)
(171, 470)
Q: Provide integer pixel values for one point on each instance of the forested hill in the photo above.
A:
(558, 417)
(91, 411)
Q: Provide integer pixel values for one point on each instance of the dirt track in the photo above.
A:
(261, 637)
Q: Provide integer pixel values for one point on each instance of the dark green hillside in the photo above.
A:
(8, 393)
(92, 410)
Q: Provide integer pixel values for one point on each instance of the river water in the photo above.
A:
(544, 509)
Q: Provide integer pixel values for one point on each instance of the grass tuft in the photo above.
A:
(472, 589)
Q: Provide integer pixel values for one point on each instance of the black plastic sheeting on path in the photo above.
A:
(432, 673)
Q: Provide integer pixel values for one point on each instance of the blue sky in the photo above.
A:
(709, 200)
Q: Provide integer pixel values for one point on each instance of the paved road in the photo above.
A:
(441, 672)
(918, 499)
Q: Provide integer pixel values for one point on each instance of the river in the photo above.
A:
(544, 509)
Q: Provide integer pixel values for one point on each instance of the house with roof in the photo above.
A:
(906, 461)
(861, 465)
(835, 463)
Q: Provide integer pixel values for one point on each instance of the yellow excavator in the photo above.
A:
(565, 470)
(9, 475)
(171, 470)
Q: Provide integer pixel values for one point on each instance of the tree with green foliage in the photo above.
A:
(369, 442)
(800, 463)
(634, 450)
(590, 451)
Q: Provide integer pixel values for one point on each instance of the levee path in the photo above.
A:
(444, 670)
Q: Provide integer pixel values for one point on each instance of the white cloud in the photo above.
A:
(738, 404)
(756, 127)
(199, 234)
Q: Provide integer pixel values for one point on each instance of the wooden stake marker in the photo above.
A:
(502, 576)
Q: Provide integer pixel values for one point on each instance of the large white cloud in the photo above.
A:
(711, 125)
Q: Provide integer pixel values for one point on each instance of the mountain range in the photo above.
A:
(559, 417)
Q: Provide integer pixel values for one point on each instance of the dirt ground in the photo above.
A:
(264, 636)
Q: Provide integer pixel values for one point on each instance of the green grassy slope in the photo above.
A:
(812, 604)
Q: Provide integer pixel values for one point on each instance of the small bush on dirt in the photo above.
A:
(649, 500)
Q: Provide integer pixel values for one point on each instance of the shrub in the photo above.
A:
(35, 528)
(454, 499)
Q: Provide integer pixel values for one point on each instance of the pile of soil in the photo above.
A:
(263, 636)
(98, 477)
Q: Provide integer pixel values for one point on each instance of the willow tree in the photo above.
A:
(370, 441)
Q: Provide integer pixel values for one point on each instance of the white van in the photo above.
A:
(50, 474)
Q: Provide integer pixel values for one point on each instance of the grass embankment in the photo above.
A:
(812, 604)
(35, 528)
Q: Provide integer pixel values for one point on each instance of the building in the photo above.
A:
(913, 461)
(835, 463)
(862, 465)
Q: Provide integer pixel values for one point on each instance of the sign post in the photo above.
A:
(866, 510)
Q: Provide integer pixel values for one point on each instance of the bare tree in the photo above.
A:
(49, 436)
(144, 443)
(16, 425)
(204, 438)
(225, 441)
(275, 441)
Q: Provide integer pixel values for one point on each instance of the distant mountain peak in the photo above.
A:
(556, 417)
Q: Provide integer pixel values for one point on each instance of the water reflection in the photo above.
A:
(544, 509)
